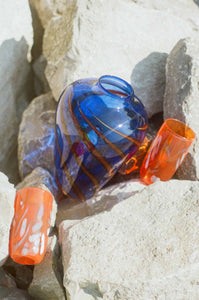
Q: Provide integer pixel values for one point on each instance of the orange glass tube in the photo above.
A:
(30, 225)
(167, 151)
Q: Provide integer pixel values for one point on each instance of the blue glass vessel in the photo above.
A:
(98, 123)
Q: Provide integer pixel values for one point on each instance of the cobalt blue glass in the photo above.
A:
(98, 123)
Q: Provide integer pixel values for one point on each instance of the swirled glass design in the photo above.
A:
(98, 123)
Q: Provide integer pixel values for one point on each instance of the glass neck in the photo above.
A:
(116, 87)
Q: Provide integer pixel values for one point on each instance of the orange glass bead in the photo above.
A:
(167, 151)
(30, 225)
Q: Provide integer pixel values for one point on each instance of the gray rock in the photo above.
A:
(6, 280)
(197, 2)
(7, 198)
(16, 87)
(45, 284)
(42, 179)
(38, 177)
(36, 135)
(8, 289)
(10, 166)
(40, 81)
(145, 247)
(22, 274)
(104, 200)
(13, 294)
(86, 41)
(38, 31)
(148, 81)
(182, 77)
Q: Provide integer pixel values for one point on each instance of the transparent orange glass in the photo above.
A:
(167, 151)
(133, 163)
(30, 225)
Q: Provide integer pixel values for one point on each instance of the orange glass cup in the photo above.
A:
(167, 151)
(30, 225)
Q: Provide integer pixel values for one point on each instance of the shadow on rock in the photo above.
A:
(148, 81)
(16, 91)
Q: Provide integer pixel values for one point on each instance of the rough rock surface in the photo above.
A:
(13, 294)
(197, 2)
(8, 289)
(145, 247)
(36, 135)
(148, 81)
(40, 82)
(46, 9)
(104, 200)
(7, 198)
(109, 40)
(181, 97)
(22, 274)
(184, 9)
(45, 284)
(16, 79)
(41, 178)
(38, 177)
(6, 280)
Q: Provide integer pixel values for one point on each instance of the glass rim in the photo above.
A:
(35, 188)
(40, 194)
(117, 82)
(175, 133)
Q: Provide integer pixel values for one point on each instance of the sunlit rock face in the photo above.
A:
(145, 246)
(92, 38)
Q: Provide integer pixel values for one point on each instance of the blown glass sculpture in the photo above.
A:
(133, 162)
(30, 225)
(167, 151)
(98, 123)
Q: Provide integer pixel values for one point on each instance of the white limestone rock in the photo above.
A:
(145, 247)
(36, 135)
(16, 87)
(181, 97)
(184, 9)
(7, 198)
(45, 284)
(104, 200)
(93, 38)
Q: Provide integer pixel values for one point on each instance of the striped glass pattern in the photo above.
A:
(98, 123)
